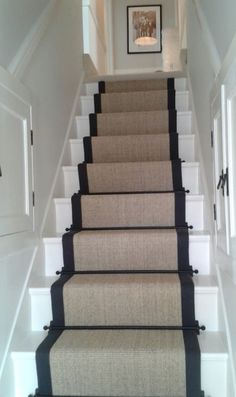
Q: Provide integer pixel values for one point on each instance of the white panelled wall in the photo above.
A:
(214, 356)
(41, 46)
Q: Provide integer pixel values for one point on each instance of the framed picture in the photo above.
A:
(144, 24)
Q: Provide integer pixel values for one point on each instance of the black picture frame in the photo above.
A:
(137, 18)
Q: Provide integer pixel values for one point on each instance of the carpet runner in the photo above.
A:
(123, 307)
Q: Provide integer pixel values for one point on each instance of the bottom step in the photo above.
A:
(213, 364)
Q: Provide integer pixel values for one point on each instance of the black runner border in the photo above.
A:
(101, 87)
(187, 299)
(172, 121)
(93, 128)
(170, 83)
(83, 178)
(58, 315)
(193, 365)
(88, 152)
(68, 250)
(171, 99)
(43, 363)
(174, 146)
(180, 208)
(177, 174)
(76, 211)
(183, 249)
(97, 103)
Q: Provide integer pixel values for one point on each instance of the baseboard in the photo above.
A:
(208, 206)
(64, 147)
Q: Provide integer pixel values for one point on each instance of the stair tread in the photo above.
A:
(189, 197)
(73, 168)
(201, 282)
(136, 75)
(211, 344)
(80, 140)
(90, 97)
(194, 235)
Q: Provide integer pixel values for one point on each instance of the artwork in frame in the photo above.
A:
(144, 25)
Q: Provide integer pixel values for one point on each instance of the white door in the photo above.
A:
(220, 172)
(16, 206)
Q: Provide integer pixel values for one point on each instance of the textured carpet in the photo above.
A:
(123, 321)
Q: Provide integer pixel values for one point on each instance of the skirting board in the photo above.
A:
(60, 161)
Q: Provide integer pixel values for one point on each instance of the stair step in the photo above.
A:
(181, 102)
(206, 302)
(184, 124)
(214, 358)
(194, 212)
(199, 244)
(190, 175)
(92, 88)
(186, 149)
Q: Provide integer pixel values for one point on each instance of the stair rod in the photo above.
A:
(74, 228)
(184, 271)
(197, 328)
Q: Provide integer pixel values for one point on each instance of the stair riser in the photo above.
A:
(205, 307)
(194, 213)
(213, 374)
(186, 149)
(198, 254)
(190, 175)
(92, 88)
(181, 103)
(184, 124)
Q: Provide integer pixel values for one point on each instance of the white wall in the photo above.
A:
(95, 45)
(123, 61)
(52, 76)
(210, 30)
(15, 24)
(220, 17)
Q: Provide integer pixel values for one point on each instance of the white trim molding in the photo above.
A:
(29, 45)
(60, 162)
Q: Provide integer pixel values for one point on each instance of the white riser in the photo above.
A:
(194, 212)
(181, 102)
(198, 254)
(180, 85)
(206, 304)
(184, 124)
(190, 174)
(213, 367)
(186, 149)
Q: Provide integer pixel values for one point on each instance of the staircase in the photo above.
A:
(213, 353)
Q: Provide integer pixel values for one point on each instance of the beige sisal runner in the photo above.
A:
(133, 123)
(128, 210)
(136, 85)
(119, 363)
(133, 177)
(134, 101)
(125, 250)
(131, 148)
